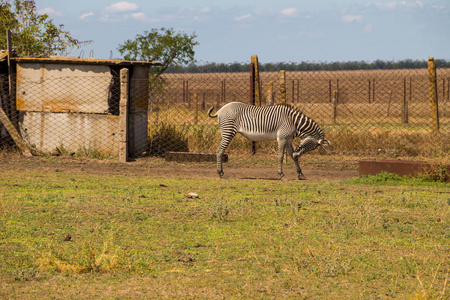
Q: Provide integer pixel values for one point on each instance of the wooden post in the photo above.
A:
(433, 95)
(405, 103)
(221, 92)
(188, 99)
(293, 91)
(282, 87)
(14, 134)
(448, 90)
(203, 100)
(410, 90)
(269, 93)
(373, 91)
(335, 102)
(224, 91)
(298, 90)
(184, 91)
(252, 100)
(252, 84)
(389, 104)
(257, 82)
(369, 90)
(329, 91)
(9, 48)
(123, 115)
(196, 107)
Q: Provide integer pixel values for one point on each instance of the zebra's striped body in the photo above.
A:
(280, 122)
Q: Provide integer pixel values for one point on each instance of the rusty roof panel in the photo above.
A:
(83, 61)
(3, 56)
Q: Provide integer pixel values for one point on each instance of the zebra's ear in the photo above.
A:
(324, 143)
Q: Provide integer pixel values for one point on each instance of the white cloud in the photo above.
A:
(412, 4)
(86, 15)
(122, 6)
(140, 16)
(386, 6)
(439, 7)
(50, 11)
(368, 28)
(394, 4)
(314, 35)
(289, 11)
(352, 18)
(206, 9)
(241, 18)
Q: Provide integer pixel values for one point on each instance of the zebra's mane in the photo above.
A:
(295, 111)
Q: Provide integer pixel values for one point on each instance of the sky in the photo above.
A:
(277, 31)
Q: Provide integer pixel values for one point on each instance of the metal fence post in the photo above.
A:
(123, 115)
(196, 108)
(433, 94)
(405, 104)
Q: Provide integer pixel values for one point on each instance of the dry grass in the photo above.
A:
(103, 236)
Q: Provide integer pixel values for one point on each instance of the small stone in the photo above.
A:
(192, 195)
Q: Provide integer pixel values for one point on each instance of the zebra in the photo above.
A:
(262, 123)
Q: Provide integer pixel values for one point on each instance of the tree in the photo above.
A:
(34, 34)
(163, 45)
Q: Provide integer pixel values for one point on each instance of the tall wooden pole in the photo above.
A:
(256, 80)
(282, 87)
(432, 83)
(123, 115)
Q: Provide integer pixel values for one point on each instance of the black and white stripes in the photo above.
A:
(280, 122)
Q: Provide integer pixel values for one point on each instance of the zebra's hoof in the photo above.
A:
(222, 175)
(301, 177)
(283, 178)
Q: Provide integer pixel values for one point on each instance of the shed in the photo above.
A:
(72, 104)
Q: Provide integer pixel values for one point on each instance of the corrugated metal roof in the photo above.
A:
(83, 61)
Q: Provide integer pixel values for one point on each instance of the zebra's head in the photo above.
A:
(307, 144)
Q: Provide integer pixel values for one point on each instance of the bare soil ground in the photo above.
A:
(315, 167)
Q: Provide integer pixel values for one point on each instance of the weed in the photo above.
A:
(220, 210)
(167, 137)
(85, 260)
(25, 273)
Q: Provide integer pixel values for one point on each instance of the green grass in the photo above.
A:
(86, 236)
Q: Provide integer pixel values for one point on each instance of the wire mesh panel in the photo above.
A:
(362, 112)
(178, 115)
(76, 109)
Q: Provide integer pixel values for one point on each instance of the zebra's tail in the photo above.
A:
(209, 113)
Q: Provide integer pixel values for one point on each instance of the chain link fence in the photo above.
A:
(362, 112)
(77, 110)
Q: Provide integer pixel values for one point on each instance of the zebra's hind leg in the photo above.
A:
(295, 159)
(226, 140)
(220, 153)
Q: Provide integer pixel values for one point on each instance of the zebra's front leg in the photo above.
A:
(281, 147)
(295, 158)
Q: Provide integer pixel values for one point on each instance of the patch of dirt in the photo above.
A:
(315, 167)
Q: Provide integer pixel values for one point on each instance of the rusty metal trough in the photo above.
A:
(401, 167)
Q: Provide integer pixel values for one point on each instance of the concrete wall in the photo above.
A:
(75, 107)
(73, 132)
(63, 88)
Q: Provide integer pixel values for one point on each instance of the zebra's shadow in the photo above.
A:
(260, 178)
